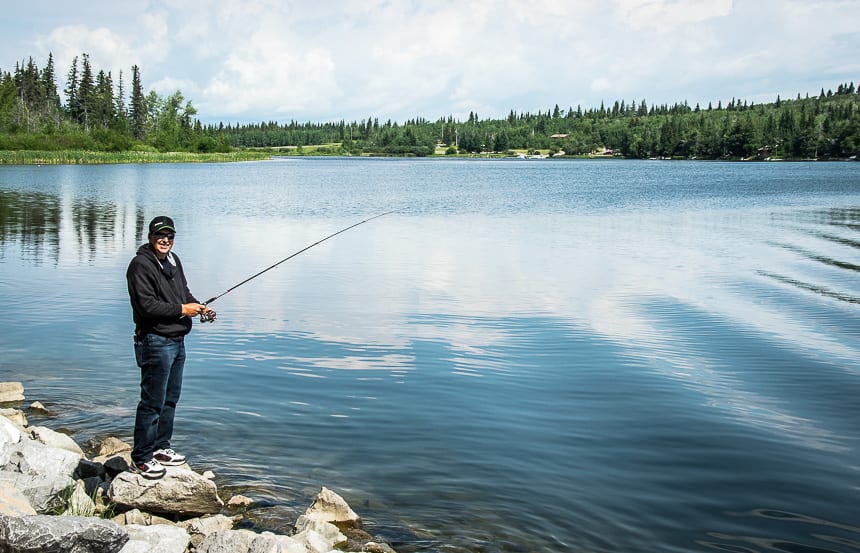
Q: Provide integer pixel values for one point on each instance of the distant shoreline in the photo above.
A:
(89, 157)
(86, 157)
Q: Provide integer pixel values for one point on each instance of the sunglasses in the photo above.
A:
(168, 235)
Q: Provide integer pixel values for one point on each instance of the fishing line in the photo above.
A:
(209, 316)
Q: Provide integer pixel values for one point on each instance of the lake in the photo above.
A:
(528, 356)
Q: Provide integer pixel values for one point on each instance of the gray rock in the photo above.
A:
(313, 542)
(109, 447)
(80, 504)
(326, 530)
(155, 520)
(377, 547)
(268, 542)
(330, 507)
(59, 440)
(151, 539)
(13, 502)
(239, 502)
(38, 408)
(199, 528)
(48, 534)
(227, 541)
(10, 436)
(11, 391)
(43, 474)
(16, 416)
(181, 491)
(136, 517)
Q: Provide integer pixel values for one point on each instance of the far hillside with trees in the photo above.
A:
(101, 112)
(826, 126)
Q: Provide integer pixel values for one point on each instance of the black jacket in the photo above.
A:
(157, 294)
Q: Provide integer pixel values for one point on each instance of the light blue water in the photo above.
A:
(530, 356)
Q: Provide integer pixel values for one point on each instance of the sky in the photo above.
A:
(247, 61)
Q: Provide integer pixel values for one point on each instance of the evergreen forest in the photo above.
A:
(101, 112)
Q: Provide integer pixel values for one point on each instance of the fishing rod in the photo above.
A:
(209, 316)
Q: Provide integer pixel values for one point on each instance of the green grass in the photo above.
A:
(328, 149)
(85, 157)
(77, 508)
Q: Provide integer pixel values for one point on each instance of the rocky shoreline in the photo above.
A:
(55, 499)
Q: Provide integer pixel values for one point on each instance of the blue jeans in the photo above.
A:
(161, 361)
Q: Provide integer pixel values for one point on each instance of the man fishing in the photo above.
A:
(163, 307)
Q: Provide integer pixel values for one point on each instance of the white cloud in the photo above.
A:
(601, 84)
(272, 73)
(109, 49)
(169, 85)
(667, 15)
(72, 41)
(350, 59)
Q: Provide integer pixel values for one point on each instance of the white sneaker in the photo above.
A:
(168, 457)
(151, 469)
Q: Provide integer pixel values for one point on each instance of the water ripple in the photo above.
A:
(817, 289)
(821, 538)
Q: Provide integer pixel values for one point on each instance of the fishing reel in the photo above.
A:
(208, 316)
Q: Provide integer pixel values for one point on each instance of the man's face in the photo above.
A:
(161, 242)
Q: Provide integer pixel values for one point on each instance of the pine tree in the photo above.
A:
(49, 90)
(86, 92)
(138, 105)
(103, 102)
(72, 101)
(119, 100)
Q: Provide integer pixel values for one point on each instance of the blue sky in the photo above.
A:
(262, 60)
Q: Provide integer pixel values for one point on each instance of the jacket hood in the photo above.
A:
(145, 249)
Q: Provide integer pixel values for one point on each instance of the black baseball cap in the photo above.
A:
(162, 222)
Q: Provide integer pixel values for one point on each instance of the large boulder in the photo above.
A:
(41, 473)
(181, 491)
(50, 534)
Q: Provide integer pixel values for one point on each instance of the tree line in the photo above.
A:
(99, 114)
(826, 126)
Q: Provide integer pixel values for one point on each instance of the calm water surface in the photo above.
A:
(529, 356)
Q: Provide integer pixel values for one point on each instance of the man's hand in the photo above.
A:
(192, 309)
